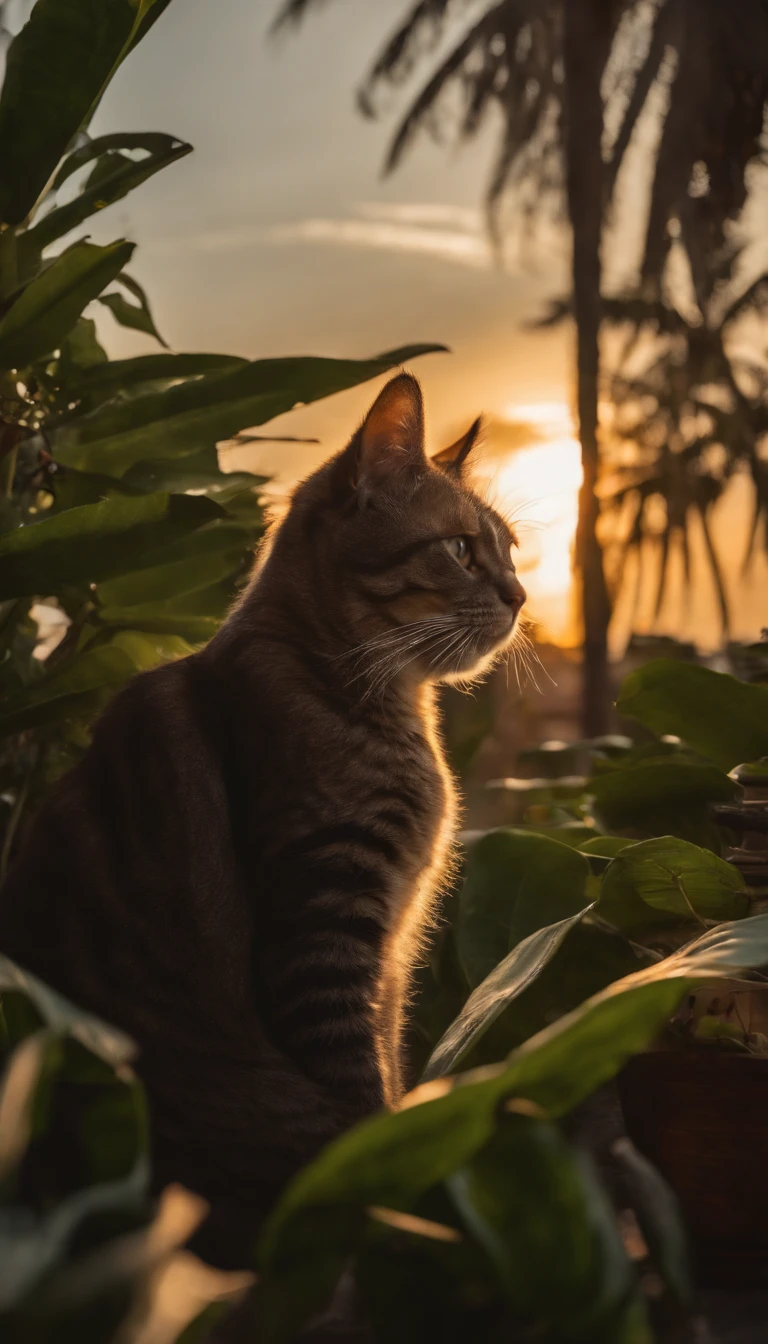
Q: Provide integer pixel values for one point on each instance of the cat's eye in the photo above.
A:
(461, 550)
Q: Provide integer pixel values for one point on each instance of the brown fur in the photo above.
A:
(242, 869)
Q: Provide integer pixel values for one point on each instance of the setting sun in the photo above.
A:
(539, 485)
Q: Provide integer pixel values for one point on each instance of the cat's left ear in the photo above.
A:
(391, 438)
(452, 459)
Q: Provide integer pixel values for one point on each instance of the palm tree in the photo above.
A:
(691, 398)
(571, 79)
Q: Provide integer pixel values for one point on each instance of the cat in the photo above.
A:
(242, 868)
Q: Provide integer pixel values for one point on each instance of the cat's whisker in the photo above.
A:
(414, 641)
(398, 664)
(402, 634)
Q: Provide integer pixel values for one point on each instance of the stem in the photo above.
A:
(13, 822)
(9, 277)
(8, 471)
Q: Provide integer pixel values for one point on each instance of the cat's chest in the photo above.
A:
(387, 788)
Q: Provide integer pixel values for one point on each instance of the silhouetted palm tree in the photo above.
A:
(571, 80)
(692, 400)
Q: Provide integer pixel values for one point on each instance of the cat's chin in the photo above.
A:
(482, 660)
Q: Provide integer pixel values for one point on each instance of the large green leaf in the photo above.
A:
(540, 1214)
(663, 796)
(172, 580)
(57, 67)
(194, 616)
(391, 1159)
(119, 176)
(536, 984)
(48, 308)
(96, 541)
(515, 882)
(119, 374)
(192, 415)
(506, 981)
(724, 719)
(669, 880)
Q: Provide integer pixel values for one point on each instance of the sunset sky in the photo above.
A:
(278, 237)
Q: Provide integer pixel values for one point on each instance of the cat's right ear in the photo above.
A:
(391, 438)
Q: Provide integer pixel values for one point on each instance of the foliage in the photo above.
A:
(80, 1238)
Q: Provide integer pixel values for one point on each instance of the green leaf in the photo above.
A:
(587, 958)
(192, 415)
(79, 687)
(57, 67)
(96, 541)
(539, 1212)
(113, 177)
(671, 880)
(601, 849)
(72, 489)
(49, 306)
(605, 846)
(137, 316)
(659, 1217)
(515, 882)
(195, 617)
(510, 978)
(81, 348)
(120, 374)
(391, 1159)
(63, 1018)
(663, 796)
(724, 719)
(173, 580)
(147, 650)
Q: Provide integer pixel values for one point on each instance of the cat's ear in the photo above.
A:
(391, 438)
(452, 459)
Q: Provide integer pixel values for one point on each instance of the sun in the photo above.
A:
(538, 485)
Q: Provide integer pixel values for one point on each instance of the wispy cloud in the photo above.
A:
(464, 246)
(447, 232)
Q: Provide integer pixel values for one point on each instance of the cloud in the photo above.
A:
(465, 217)
(450, 233)
(464, 246)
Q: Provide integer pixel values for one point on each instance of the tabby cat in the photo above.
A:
(241, 870)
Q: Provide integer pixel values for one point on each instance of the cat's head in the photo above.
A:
(413, 565)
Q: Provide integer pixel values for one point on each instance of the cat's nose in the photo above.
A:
(512, 593)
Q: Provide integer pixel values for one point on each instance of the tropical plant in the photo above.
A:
(116, 518)
(569, 84)
(691, 398)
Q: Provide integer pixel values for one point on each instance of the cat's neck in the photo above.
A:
(293, 632)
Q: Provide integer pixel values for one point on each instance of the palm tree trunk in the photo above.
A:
(586, 41)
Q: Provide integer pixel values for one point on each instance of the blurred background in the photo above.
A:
(367, 175)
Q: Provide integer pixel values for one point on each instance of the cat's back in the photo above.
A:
(126, 884)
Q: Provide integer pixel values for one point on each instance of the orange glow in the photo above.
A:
(538, 487)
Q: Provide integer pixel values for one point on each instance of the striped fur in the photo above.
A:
(243, 868)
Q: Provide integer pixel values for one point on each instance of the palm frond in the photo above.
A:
(293, 12)
(415, 38)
